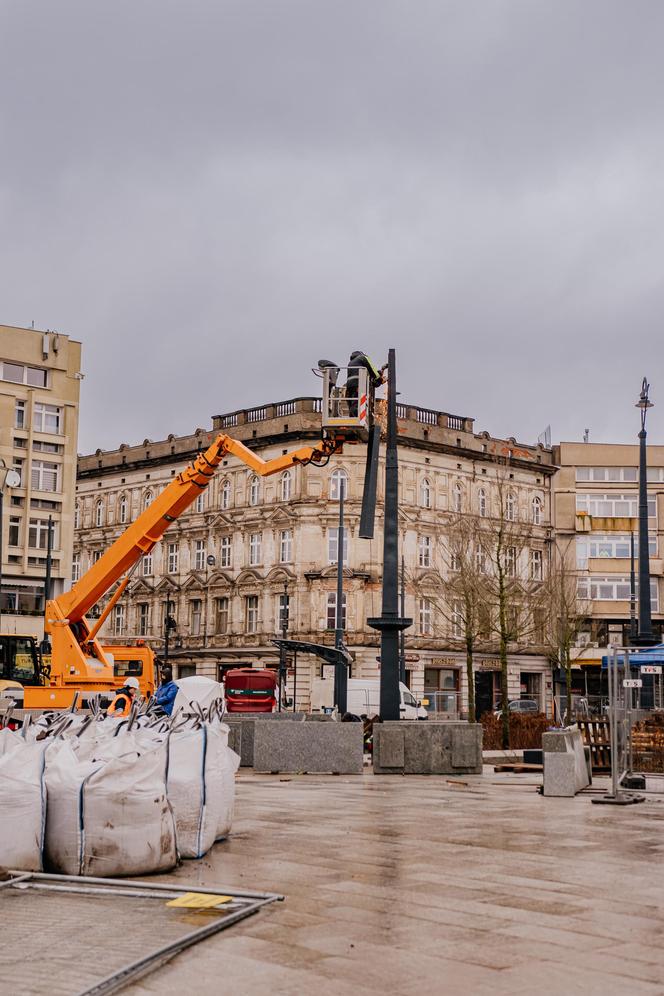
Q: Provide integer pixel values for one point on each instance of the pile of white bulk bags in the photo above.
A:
(105, 797)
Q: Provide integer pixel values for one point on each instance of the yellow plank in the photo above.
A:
(198, 901)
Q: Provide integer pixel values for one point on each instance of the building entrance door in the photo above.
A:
(483, 692)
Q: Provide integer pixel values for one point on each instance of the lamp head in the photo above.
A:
(644, 402)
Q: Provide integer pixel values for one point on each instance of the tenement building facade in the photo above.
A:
(39, 396)
(250, 547)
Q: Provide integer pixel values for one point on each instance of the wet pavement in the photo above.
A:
(425, 885)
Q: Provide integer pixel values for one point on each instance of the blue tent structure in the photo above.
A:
(652, 655)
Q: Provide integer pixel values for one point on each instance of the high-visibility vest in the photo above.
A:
(116, 708)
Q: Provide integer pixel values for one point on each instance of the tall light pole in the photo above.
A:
(10, 479)
(645, 635)
(284, 636)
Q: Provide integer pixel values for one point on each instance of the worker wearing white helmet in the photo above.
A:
(121, 704)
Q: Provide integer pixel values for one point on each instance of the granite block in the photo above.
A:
(559, 774)
(391, 748)
(431, 748)
(311, 748)
(247, 720)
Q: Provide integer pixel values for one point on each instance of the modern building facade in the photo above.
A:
(596, 513)
(250, 548)
(39, 398)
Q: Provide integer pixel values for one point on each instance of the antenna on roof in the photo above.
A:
(544, 438)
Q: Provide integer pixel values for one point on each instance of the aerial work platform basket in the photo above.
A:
(348, 399)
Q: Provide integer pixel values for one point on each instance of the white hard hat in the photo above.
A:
(132, 683)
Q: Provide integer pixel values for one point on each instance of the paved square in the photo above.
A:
(424, 885)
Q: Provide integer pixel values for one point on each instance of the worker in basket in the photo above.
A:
(359, 359)
(121, 704)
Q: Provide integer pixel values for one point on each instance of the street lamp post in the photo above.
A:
(10, 479)
(645, 635)
(282, 649)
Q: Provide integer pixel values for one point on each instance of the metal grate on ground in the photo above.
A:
(92, 937)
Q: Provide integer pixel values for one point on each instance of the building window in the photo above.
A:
(48, 418)
(285, 546)
(252, 614)
(143, 618)
(99, 513)
(424, 551)
(610, 545)
(119, 617)
(333, 544)
(537, 511)
(226, 494)
(77, 515)
(481, 503)
(481, 560)
(76, 568)
(425, 493)
(19, 414)
(14, 530)
(283, 612)
(457, 498)
(425, 612)
(255, 543)
(510, 561)
(535, 565)
(286, 485)
(45, 476)
(38, 534)
(199, 555)
(147, 564)
(222, 615)
(338, 481)
(173, 558)
(331, 622)
(510, 507)
(614, 506)
(96, 555)
(148, 498)
(225, 551)
(122, 509)
(196, 610)
(199, 504)
(18, 373)
(455, 560)
(613, 589)
(610, 474)
(457, 619)
(254, 490)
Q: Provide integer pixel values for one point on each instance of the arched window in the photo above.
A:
(338, 480)
(226, 494)
(99, 513)
(147, 499)
(510, 507)
(286, 485)
(425, 493)
(537, 511)
(481, 502)
(77, 515)
(457, 497)
(199, 505)
(254, 490)
(123, 509)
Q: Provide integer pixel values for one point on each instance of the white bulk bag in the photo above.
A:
(229, 763)
(196, 689)
(9, 740)
(22, 806)
(108, 813)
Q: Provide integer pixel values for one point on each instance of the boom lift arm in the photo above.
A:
(77, 655)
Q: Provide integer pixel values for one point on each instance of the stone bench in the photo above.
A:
(567, 764)
(429, 747)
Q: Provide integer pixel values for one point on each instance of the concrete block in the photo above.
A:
(429, 748)
(569, 742)
(559, 774)
(235, 738)
(312, 748)
(247, 720)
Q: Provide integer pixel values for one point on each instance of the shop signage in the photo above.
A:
(632, 683)
(489, 664)
(651, 669)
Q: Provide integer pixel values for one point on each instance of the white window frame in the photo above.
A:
(199, 555)
(536, 565)
(77, 515)
(511, 561)
(172, 558)
(425, 493)
(225, 494)
(424, 547)
(511, 507)
(614, 505)
(146, 564)
(286, 485)
(119, 619)
(333, 544)
(76, 568)
(251, 613)
(255, 549)
(481, 503)
(148, 498)
(123, 508)
(425, 617)
(225, 551)
(20, 413)
(47, 418)
(331, 610)
(336, 478)
(285, 546)
(222, 612)
(537, 511)
(457, 619)
(99, 513)
(143, 618)
(199, 504)
(196, 616)
(45, 476)
(254, 490)
(457, 497)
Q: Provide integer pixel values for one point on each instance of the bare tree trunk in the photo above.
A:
(568, 683)
(503, 692)
(471, 679)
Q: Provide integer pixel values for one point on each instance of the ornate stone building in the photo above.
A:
(226, 569)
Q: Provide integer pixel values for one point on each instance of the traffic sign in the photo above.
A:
(651, 669)
(632, 683)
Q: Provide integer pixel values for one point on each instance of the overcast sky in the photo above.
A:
(213, 195)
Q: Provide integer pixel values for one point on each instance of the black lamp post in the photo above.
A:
(169, 625)
(645, 634)
(282, 649)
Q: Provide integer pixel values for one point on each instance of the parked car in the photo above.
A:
(518, 705)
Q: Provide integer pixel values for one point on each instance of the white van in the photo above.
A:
(364, 698)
